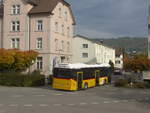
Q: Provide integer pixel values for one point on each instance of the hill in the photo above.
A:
(130, 44)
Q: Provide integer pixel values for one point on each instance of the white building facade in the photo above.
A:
(119, 61)
(90, 52)
(149, 36)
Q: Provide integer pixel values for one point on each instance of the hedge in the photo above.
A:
(22, 80)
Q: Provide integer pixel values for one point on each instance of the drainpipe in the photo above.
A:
(29, 40)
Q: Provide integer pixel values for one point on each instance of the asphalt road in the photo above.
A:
(104, 99)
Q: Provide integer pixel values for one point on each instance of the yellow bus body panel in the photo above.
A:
(90, 82)
(64, 84)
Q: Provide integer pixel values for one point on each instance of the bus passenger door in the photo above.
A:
(79, 79)
(97, 75)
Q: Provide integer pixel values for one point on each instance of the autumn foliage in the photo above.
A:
(16, 60)
(137, 63)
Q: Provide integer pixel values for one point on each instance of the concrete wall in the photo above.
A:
(104, 54)
(146, 75)
(119, 59)
(149, 38)
(97, 53)
(78, 50)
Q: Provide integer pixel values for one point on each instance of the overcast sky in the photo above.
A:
(111, 18)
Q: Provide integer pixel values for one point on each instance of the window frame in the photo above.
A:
(15, 26)
(39, 63)
(85, 46)
(39, 25)
(15, 43)
(85, 55)
(39, 43)
(15, 9)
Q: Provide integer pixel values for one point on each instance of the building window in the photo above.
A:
(68, 31)
(15, 9)
(39, 63)
(60, 12)
(148, 28)
(68, 46)
(149, 46)
(39, 25)
(85, 55)
(62, 45)
(56, 44)
(39, 43)
(117, 62)
(15, 42)
(56, 26)
(85, 45)
(66, 16)
(15, 26)
(62, 27)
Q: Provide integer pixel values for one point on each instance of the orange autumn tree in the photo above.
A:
(16, 60)
(137, 63)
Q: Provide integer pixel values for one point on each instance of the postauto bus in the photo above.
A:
(74, 77)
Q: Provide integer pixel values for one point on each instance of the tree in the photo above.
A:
(137, 63)
(112, 65)
(16, 60)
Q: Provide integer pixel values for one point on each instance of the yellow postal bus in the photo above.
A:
(74, 77)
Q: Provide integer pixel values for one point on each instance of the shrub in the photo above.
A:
(141, 85)
(16, 60)
(121, 83)
(21, 80)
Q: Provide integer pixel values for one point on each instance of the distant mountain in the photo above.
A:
(129, 44)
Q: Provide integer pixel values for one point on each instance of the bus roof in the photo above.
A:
(82, 65)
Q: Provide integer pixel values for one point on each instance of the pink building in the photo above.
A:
(45, 26)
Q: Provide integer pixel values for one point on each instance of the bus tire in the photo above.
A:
(85, 86)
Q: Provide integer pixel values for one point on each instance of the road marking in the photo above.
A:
(116, 101)
(83, 103)
(71, 104)
(95, 103)
(17, 96)
(39, 95)
(57, 104)
(106, 102)
(28, 105)
(13, 105)
(58, 94)
(71, 93)
(43, 105)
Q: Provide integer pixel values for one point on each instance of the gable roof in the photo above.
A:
(44, 6)
(83, 37)
(91, 40)
(47, 6)
(33, 2)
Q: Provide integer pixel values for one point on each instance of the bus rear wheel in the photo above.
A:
(85, 86)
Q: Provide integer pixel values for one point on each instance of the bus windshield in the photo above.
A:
(62, 73)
